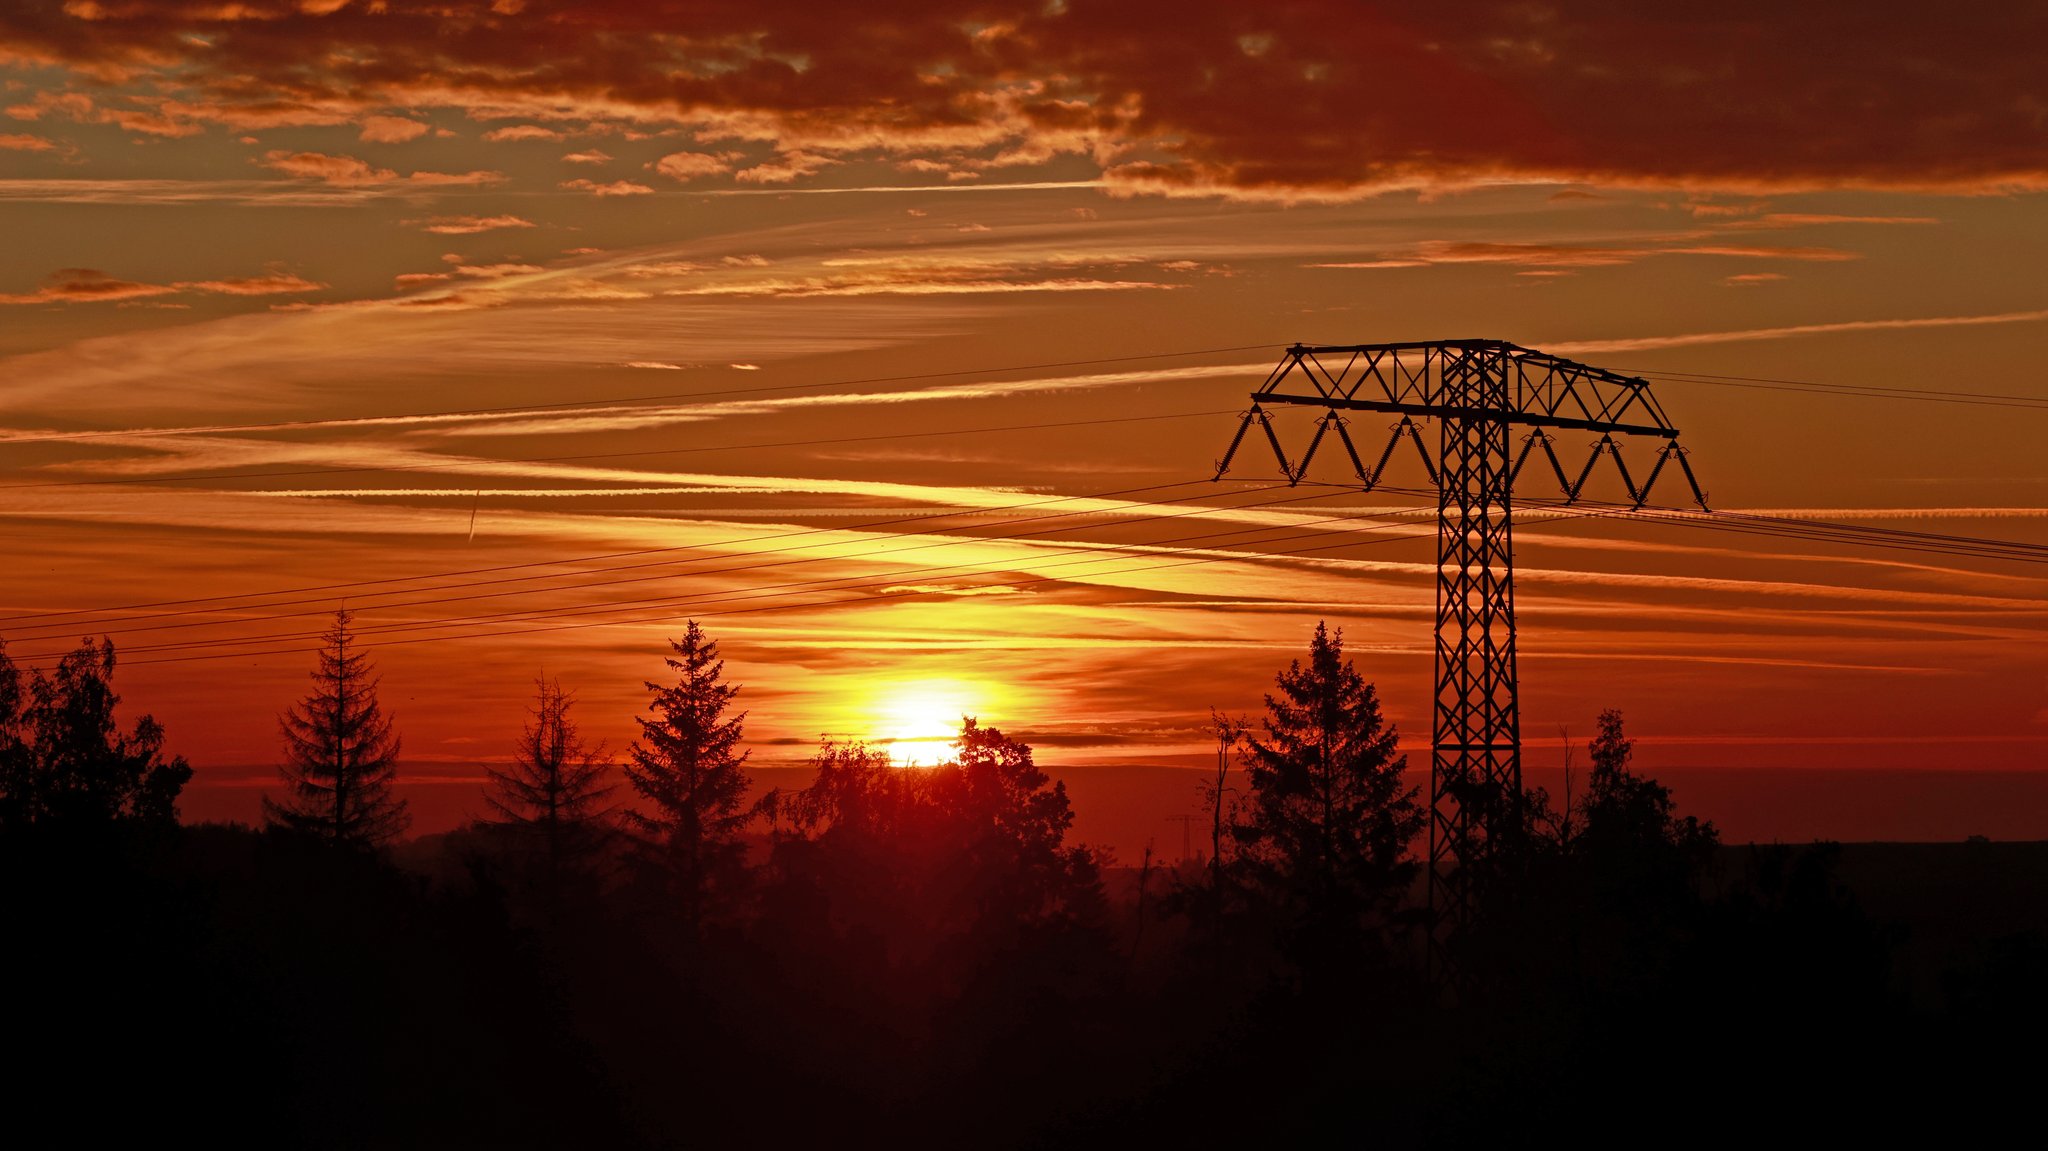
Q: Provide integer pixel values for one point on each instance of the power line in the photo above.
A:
(723, 545)
(1818, 531)
(1287, 553)
(1809, 529)
(722, 554)
(1869, 391)
(580, 456)
(797, 586)
(520, 409)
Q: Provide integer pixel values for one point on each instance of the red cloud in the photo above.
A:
(274, 284)
(690, 165)
(522, 132)
(615, 188)
(86, 285)
(1578, 255)
(1293, 100)
(469, 225)
(391, 129)
(343, 171)
(349, 172)
(89, 285)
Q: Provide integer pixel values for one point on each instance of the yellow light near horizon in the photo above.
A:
(917, 721)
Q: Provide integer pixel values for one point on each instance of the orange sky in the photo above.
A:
(745, 287)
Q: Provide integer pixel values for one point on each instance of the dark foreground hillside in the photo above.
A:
(253, 988)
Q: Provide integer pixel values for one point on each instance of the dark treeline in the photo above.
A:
(637, 950)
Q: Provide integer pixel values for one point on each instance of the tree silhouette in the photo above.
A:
(857, 791)
(1329, 819)
(1631, 836)
(64, 759)
(339, 753)
(554, 792)
(1011, 822)
(688, 768)
(968, 854)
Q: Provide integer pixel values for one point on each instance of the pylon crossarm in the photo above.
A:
(1414, 379)
(1456, 412)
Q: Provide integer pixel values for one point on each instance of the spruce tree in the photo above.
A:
(1330, 820)
(340, 754)
(554, 792)
(688, 768)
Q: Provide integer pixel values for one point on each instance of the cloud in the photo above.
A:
(391, 129)
(455, 179)
(1821, 219)
(593, 156)
(345, 171)
(149, 115)
(1644, 343)
(1751, 279)
(274, 284)
(523, 132)
(350, 172)
(615, 188)
(784, 168)
(496, 271)
(21, 142)
(468, 225)
(89, 285)
(1576, 255)
(686, 166)
(911, 284)
(158, 191)
(86, 285)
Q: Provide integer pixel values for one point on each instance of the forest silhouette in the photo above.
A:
(643, 949)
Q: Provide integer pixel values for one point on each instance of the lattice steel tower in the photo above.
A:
(1476, 390)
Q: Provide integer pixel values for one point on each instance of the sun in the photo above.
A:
(917, 721)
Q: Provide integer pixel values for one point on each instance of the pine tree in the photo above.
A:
(554, 792)
(1330, 820)
(688, 767)
(340, 753)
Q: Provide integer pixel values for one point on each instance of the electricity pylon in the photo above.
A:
(1477, 391)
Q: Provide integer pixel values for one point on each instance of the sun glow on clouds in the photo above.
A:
(745, 327)
(916, 721)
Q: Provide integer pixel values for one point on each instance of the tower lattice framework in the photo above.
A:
(1479, 392)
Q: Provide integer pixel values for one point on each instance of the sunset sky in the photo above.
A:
(897, 342)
